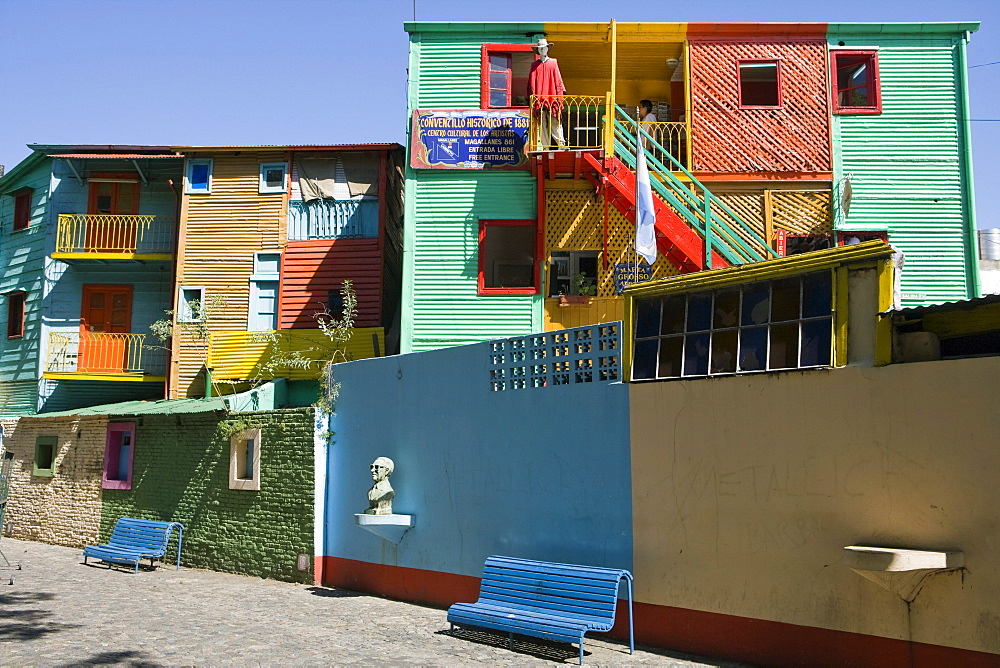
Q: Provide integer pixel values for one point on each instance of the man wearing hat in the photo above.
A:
(545, 81)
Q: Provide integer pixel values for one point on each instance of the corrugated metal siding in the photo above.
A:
(906, 166)
(794, 138)
(448, 69)
(220, 234)
(311, 269)
(444, 307)
(18, 397)
(68, 394)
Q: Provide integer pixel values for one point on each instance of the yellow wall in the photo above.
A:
(747, 489)
(219, 234)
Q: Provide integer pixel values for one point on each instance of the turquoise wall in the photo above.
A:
(542, 473)
(910, 171)
(441, 304)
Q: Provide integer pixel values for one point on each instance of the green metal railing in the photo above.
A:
(721, 228)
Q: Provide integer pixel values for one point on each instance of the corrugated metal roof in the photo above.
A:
(161, 407)
(959, 305)
(109, 156)
(290, 147)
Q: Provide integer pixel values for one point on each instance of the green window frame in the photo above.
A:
(46, 448)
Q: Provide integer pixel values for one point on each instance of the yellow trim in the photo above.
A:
(630, 32)
(166, 257)
(769, 269)
(127, 377)
(688, 113)
(840, 316)
(883, 328)
(626, 338)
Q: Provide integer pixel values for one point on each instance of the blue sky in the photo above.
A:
(309, 72)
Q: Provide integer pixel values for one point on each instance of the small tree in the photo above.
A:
(198, 328)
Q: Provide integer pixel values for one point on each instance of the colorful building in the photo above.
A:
(769, 139)
(268, 235)
(87, 259)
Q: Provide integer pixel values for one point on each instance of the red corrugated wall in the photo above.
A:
(310, 269)
(794, 138)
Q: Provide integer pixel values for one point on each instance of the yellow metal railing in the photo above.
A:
(104, 353)
(236, 356)
(112, 233)
(578, 119)
(672, 136)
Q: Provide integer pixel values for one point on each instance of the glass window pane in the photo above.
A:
(756, 304)
(647, 317)
(670, 357)
(816, 340)
(696, 355)
(759, 84)
(498, 62)
(724, 351)
(274, 177)
(785, 300)
(509, 256)
(699, 317)
(498, 98)
(644, 359)
(817, 295)
(784, 352)
(727, 308)
(673, 315)
(498, 80)
(199, 177)
(753, 349)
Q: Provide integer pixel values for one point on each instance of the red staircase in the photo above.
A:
(675, 239)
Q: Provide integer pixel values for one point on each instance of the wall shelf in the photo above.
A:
(386, 527)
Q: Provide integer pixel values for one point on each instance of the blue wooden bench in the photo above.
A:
(546, 600)
(134, 539)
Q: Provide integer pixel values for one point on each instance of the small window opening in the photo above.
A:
(759, 84)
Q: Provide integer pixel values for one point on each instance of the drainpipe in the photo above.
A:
(968, 197)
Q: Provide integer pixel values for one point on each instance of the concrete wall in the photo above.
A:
(541, 473)
(181, 474)
(747, 489)
(64, 509)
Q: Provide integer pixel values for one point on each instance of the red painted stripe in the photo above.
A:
(708, 634)
(756, 31)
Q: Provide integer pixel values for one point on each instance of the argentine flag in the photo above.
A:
(645, 214)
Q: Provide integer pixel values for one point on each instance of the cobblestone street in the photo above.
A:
(60, 612)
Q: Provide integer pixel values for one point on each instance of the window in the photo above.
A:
(507, 252)
(22, 209)
(796, 244)
(118, 456)
(15, 314)
(851, 237)
(273, 177)
(759, 84)
(198, 176)
(855, 82)
(263, 315)
(573, 273)
(113, 193)
(505, 69)
(244, 460)
(46, 448)
(191, 304)
(766, 326)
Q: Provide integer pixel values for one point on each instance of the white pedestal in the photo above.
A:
(386, 527)
(899, 570)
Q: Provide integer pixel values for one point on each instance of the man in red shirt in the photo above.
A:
(545, 81)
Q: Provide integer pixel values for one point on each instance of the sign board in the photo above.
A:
(469, 139)
(627, 273)
(781, 242)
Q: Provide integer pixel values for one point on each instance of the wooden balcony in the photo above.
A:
(103, 237)
(104, 356)
(244, 356)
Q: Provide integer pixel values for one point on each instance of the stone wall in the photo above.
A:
(181, 474)
(64, 509)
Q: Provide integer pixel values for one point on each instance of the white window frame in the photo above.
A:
(238, 461)
(256, 279)
(184, 313)
(263, 188)
(191, 162)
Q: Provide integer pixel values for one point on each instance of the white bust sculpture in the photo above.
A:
(380, 495)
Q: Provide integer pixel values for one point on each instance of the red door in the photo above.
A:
(115, 196)
(105, 322)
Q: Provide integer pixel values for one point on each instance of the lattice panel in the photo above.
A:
(749, 206)
(802, 212)
(795, 137)
(573, 221)
(589, 354)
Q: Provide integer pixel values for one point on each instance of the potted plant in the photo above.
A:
(583, 287)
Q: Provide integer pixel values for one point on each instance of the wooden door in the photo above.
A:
(105, 321)
(114, 197)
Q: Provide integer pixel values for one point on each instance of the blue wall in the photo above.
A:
(541, 473)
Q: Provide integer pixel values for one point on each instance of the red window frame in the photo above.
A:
(535, 269)
(484, 75)
(16, 302)
(112, 455)
(874, 83)
(739, 83)
(864, 235)
(22, 209)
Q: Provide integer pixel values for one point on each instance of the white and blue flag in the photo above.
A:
(645, 214)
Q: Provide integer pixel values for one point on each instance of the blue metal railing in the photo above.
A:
(333, 219)
(723, 230)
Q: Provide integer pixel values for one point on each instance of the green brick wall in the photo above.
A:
(181, 474)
